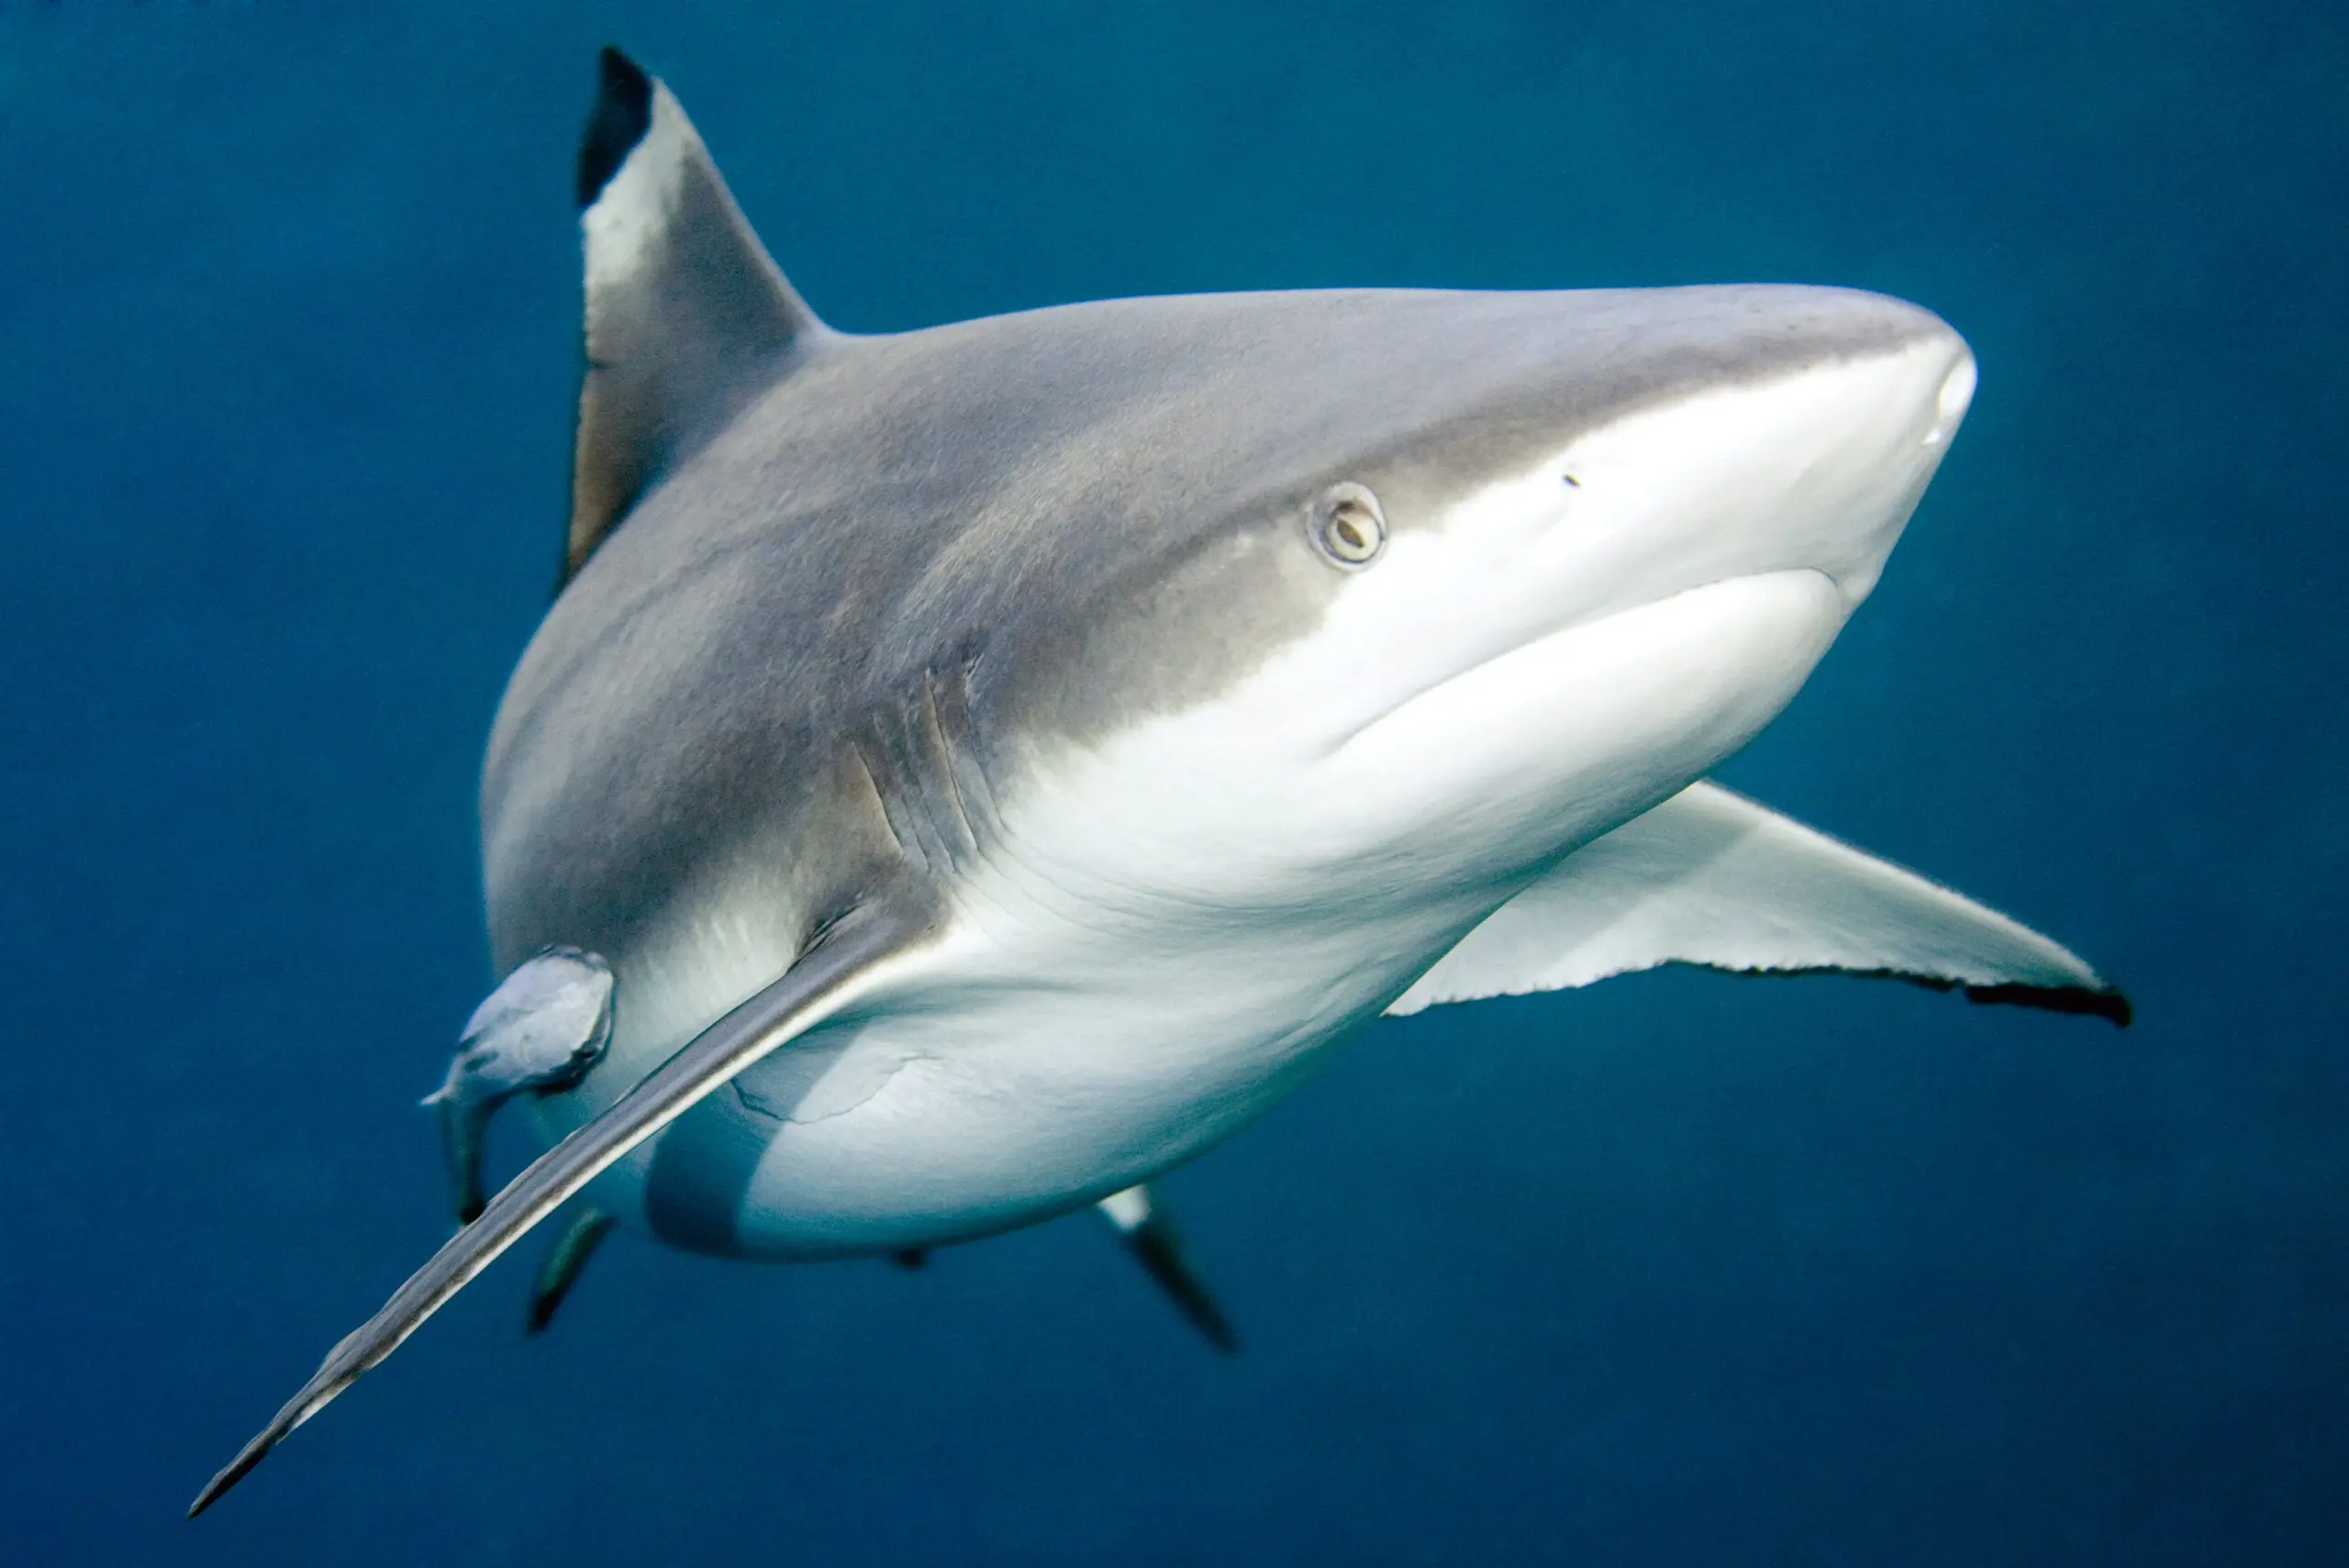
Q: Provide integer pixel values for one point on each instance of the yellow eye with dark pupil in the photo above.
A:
(1346, 524)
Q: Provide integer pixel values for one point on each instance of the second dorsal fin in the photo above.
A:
(686, 313)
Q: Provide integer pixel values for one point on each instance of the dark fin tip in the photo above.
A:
(623, 113)
(564, 1260)
(2107, 1004)
(910, 1257)
(2076, 1000)
(239, 1468)
(1161, 1253)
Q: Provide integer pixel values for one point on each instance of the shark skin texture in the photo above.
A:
(967, 773)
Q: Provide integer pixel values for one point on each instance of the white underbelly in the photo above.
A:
(899, 1145)
(985, 1109)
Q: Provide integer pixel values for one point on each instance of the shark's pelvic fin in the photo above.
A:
(572, 1249)
(541, 1029)
(1711, 878)
(827, 977)
(1142, 1221)
(686, 313)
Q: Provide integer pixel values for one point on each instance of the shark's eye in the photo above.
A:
(1346, 524)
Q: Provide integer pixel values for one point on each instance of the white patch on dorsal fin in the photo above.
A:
(686, 313)
(1711, 878)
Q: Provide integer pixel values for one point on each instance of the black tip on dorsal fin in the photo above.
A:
(623, 113)
(687, 316)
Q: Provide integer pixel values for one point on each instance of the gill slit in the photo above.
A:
(934, 716)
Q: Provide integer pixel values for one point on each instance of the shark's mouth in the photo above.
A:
(1549, 661)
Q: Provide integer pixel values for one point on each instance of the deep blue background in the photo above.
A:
(1683, 1268)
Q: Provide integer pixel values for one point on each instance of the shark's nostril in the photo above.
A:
(1950, 404)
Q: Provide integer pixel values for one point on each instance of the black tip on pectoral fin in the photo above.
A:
(2077, 1000)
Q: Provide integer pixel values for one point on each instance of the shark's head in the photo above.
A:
(1545, 560)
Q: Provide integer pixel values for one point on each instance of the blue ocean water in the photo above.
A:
(1680, 1269)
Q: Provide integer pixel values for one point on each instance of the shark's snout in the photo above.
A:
(1814, 465)
(1950, 404)
(1671, 574)
(1888, 459)
(1800, 453)
(1835, 458)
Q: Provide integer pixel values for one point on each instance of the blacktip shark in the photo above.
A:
(968, 772)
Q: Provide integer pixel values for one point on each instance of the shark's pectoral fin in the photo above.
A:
(564, 1260)
(1142, 1221)
(686, 313)
(1711, 878)
(841, 966)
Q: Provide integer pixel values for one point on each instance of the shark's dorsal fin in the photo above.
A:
(1712, 878)
(686, 313)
